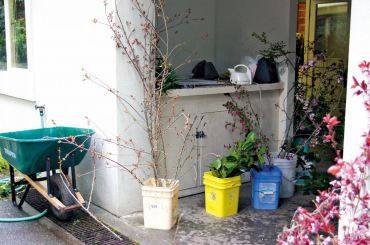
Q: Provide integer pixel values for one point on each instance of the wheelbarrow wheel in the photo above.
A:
(62, 190)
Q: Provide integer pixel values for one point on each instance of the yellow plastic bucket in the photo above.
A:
(222, 195)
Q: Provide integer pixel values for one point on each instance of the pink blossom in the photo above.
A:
(335, 169)
(328, 138)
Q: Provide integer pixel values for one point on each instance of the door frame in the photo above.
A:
(311, 22)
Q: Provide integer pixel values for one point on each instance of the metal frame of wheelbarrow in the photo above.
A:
(33, 180)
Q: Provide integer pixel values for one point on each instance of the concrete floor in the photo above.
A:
(31, 232)
(249, 226)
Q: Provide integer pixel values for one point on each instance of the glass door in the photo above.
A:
(327, 32)
(331, 28)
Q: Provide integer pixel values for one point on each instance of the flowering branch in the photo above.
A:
(350, 188)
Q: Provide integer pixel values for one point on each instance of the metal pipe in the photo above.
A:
(42, 114)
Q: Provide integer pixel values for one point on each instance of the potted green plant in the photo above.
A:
(222, 182)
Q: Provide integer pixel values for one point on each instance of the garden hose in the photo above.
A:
(21, 219)
(29, 218)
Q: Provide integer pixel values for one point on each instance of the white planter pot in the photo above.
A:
(160, 204)
(288, 170)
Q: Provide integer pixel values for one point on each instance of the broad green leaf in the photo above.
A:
(247, 146)
(232, 159)
(231, 165)
(251, 137)
(262, 150)
(223, 173)
(233, 155)
(216, 164)
(261, 159)
(228, 172)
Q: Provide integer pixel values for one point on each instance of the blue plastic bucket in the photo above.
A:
(266, 188)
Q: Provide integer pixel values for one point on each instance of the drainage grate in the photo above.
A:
(82, 226)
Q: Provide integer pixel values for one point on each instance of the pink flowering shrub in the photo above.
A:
(348, 196)
(244, 118)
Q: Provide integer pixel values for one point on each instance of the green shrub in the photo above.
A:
(244, 155)
(4, 189)
(3, 164)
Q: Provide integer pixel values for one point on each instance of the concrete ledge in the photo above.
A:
(223, 89)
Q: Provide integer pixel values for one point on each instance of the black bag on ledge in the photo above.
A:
(205, 70)
(266, 72)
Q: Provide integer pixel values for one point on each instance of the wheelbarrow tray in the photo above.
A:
(28, 150)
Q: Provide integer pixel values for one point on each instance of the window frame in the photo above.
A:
(14, 81)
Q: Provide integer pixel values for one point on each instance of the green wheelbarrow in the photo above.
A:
(52, 151)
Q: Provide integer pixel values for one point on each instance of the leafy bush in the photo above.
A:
(311, 182)
(4, 189)
(3, 164)
(241, 158)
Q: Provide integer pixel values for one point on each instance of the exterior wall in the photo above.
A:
(238, 19)
(357, 121)
(228, 26)
(128, 191)
(65, 40)
(198, 37)
(17, 114)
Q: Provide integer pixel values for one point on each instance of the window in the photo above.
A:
(2, 37)
(16, 77)
(13, 35)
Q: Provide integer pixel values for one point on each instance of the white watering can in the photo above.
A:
(241, 75)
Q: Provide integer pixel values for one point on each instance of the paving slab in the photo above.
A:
(249, 226)
(30, 232)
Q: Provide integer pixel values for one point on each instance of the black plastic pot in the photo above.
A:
(266, 72)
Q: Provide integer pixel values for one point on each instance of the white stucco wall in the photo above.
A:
(357, 120)
(197, 38)
(129, 84)
(17, 114)
(229, 26)
(65, 40)
(238, 19)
